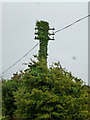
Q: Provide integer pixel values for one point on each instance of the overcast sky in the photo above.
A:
(18, 22)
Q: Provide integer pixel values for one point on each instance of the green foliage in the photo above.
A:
(8, 89)
(40, 92)
(47, 93)
(43, 28)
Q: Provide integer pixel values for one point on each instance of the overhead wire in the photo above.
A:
(18, 60)
(38, 43)
(72, 24)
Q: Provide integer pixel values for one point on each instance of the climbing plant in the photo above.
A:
(43, 36)
(39, 92)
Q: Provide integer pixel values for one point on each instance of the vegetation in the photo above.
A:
(40, 92)
(8, 89)
(43, 36)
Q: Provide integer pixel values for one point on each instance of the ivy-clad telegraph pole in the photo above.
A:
(43, 35)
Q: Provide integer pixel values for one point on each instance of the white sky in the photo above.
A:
(44, 0)
(18, 35)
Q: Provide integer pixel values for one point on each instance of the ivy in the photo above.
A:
(43, 28)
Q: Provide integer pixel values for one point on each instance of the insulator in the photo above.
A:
(51, 28)
(35, 37)
(51, 33)
(52, 38)
(35, 33)
(36, 28)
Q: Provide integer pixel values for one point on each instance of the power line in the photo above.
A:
(38, 43)
(72, 24)
(18, 60)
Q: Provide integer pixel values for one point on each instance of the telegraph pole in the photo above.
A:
(43, 35)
